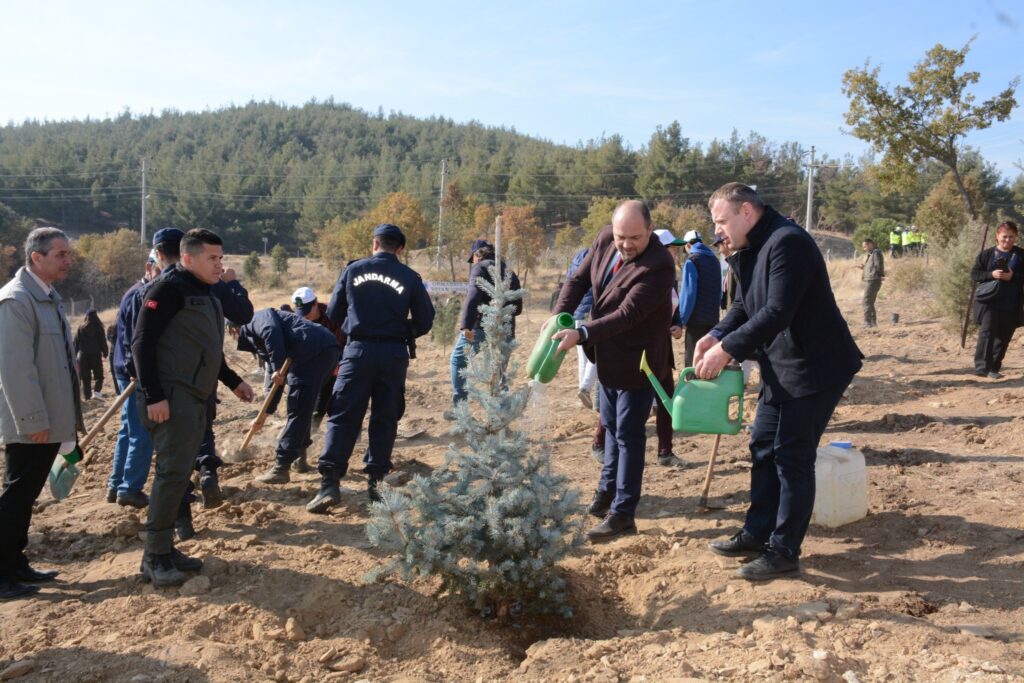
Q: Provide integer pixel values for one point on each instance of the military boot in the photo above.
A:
(300, 465)
(160, 570)
(184, 563)
(278, 474)
(328, 496)
(183, 529)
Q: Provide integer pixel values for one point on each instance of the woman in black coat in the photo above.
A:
(1001, 314)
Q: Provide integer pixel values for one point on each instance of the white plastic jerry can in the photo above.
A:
(842, 485)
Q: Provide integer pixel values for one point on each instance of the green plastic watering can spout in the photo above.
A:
(658, 389)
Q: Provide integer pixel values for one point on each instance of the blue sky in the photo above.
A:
(564, 71)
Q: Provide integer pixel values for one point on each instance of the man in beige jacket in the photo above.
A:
(39, 401)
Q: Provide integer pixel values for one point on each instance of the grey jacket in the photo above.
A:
(874, 265)
(37, 388)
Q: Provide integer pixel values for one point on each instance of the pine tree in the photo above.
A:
(493, 520)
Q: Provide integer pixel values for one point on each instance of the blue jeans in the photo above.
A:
(784, 447)
(624, 414)
(460, 356)
(133, 450)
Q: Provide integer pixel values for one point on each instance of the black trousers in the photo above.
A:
(26, 468)
(994, 337)
(784, 447)
(694, 332)
(91, 371)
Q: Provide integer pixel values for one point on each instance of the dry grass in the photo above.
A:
(907, 275)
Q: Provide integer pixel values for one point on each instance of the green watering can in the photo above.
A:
(701, 406)
(545, 359)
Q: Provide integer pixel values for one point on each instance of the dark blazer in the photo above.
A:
(631, 313)
(1010, 295)
(785, 314)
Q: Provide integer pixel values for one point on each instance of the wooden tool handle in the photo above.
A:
(710, 471)
(274, 388)
(98, 427)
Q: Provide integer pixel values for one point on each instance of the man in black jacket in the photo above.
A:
(786, 316)
(178, 353)
(471, 333)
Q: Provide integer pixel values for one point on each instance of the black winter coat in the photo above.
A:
(785, 314)
(1010, 295)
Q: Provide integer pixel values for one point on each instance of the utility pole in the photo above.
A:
(810, 192)
(440, 211)
(142, 223)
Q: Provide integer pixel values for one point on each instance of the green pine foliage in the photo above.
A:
(252, 267)
(279, 257)
(446, 317)
(494, 520)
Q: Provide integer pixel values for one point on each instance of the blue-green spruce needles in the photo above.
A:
(493, 520)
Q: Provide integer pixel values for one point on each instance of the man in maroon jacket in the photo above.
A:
(632, 277)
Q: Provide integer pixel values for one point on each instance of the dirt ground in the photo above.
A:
(929, 586)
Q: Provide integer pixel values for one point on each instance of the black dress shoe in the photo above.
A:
(12, 589)
(740, 544)
(770, 565)
(135, 499)
(27, 574)
(111, 495)
(601, 504)
(612, 526)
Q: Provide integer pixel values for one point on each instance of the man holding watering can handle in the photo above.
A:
(632, 277)
(786, 317)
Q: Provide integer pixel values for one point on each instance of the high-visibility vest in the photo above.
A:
(915, 238)
(894, 237)
(906, 238)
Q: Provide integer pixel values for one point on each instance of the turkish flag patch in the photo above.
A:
(151, 305)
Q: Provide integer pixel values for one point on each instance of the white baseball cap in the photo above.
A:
(666, 237)
(303, 295)
(691, 237)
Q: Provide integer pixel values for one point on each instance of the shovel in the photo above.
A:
(274, 389)
(63, 474)
(702, 504)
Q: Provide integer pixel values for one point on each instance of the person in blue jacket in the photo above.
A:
(382, 306)
(133, 449)
(274, 336)
(700, 294)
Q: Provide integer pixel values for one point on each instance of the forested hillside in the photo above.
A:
(267, 170)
